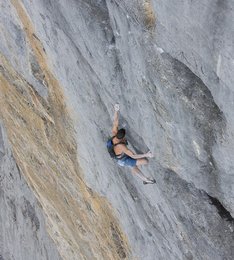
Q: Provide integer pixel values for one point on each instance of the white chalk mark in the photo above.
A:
(218, 65)
(197, 148)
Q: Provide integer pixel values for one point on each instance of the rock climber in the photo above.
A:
(124, 156)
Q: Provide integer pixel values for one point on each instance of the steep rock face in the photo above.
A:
(201, 36)
(169, 66)
(22, 231)
(81, 222)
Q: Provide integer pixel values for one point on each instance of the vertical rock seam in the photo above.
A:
(40, 130)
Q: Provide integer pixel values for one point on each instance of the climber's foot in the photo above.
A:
(152, 181)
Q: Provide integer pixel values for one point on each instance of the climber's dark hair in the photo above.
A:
(120, 133)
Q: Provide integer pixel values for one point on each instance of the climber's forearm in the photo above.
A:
(138, 156)
(115, 123)
(134, 156)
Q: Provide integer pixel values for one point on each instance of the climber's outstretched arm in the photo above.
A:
(136, 156)
(116, 120)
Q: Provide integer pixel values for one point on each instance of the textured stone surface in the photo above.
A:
(23, 233)
(201, 36)
(169, 65)
(82, 223)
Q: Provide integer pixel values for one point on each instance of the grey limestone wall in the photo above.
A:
(174, 84)
(23, 234)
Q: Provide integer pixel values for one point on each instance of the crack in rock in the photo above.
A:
(223, 212)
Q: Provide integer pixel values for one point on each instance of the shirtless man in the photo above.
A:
(126, 157)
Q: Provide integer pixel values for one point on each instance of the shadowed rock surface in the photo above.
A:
(64, 64)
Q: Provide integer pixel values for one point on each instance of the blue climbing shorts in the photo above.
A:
(127, 161)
